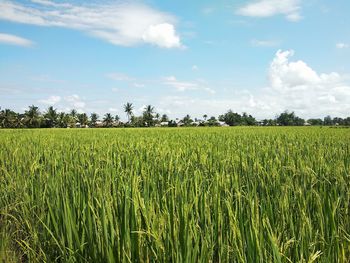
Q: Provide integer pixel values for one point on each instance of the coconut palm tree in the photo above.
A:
(148, 115)
(73, 114)
(128, 107)
(108, 120)
(32, 117)
(62, 120)
(7, 118)
(51, 117)
(93, 119)
(83, 119)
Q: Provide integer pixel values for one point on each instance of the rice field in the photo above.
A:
(175, 195)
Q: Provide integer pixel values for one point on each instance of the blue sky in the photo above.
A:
(195, 57)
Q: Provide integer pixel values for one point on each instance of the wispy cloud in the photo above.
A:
(119, 23)
(267, 8)
(15, 40)
(118, 76)
(52, 100)
(186, 85)
(264, 43)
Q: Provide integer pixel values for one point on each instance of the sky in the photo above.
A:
(183, 57)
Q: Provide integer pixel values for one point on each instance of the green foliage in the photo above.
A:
(234, 119)
(175, 195)
(289, 119)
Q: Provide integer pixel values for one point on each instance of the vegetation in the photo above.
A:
(51, 118)
(243, 194)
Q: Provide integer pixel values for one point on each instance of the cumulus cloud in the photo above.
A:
(52, 100)
(15, 40)
(267, 8)
(292, 85)
(119, 23)
(295, 85)
(163, 35)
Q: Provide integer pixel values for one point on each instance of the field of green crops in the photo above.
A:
(175, 195)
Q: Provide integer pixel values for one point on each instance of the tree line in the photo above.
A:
(52, 118)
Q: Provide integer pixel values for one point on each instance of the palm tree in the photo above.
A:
(128, 107)
(51, 117)
(7, 118)
(117, 119)
(73, 114)
(148, 114)
(83, 119)
(32, 117)
(108, 120)
(93, 119)
(62, 120)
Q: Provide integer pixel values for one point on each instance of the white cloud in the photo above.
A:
(264, 43)
(293, 85)
(119, 76)
(162, 35)
(342, 45)
(113, 110)
(75, 102)
(180, 85)
(120, 23)
(52, 100)
(267, 8)
(15, 40)
(139, 85)
(186, 85)
(195, 68)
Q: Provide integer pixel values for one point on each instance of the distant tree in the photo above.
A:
(248, 120)
(338, 121)
(347, 121)
(32, 117)
(213, 121)
(50, 117)
(83, 119)
(108, 120)
(93, 119)
(205, 116)
(328, 121)
(128, 108)
(137, 121)
(164, 118)
(73, 114)
(187, 120)
(117, 119)
(62, 120)
(315, 121)
(7, 118)
(231, 118)
(289, 119)
(172, 123)
(148, 115)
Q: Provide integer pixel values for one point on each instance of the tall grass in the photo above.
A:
(175, 195)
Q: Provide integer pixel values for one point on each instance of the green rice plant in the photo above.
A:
(242, 194)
